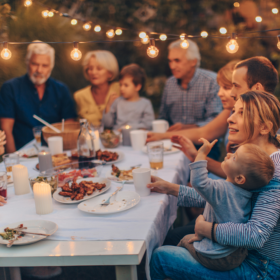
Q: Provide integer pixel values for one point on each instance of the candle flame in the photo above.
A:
(127, 126)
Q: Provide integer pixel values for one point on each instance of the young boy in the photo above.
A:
(249, 168)
(130, 108)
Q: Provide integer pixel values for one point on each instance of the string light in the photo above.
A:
(118, 31)
(76, 53)
(182, 36)
(278, 44)
(97, 28)
(74, 21)
(87, 26)
(110, 33)
(223, 30)
(184, 44)
(258, 19)
(162, 37)
(45, 14)
(236, 4)
(50, 14)
(204, 34)
(145, 40)
(6, 53)
(27, 3)
(232, 46)
(142, 34)
(152, 50)
(274, 11)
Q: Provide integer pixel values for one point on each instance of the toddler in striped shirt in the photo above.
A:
(248, 169)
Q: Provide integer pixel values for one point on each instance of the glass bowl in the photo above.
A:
(51, 180)
(110, 138)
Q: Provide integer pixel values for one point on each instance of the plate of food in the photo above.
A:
(81, 189)
(121, 174)
(122, 201)
(30, 153)
(109, 157)
(22, 233)
(59, 160)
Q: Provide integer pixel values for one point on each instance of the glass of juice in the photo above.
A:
(37, 130)
(3, 184)
(10, 160)
(155, 153)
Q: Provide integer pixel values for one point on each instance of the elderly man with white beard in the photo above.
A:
(34, 93)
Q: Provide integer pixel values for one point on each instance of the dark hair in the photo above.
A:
(136, 72)
(260, 70)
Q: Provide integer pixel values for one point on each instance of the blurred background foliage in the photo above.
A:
(20, 24)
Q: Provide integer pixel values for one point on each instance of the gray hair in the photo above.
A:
(192, 52)
(40, 48)
(106, 60)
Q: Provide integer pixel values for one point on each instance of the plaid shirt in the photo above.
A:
(198, 104)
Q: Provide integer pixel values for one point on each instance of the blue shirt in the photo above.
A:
(19, 100)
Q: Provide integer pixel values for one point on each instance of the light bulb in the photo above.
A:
(184, 44)
(76, 53)
(6, 54)
(97, 28)
(182, 36)
(232, 46)
(275, 11)
(145, 40)
(258, 19)
(204, 34)
(110, 33)
(162, 37)
(152, 51)
(87, 26)
(45, 14)
(74, 21)
(142, 35)
(236, 4)
(27, 3)
(50, 14)
(223, 30)
(118, 31)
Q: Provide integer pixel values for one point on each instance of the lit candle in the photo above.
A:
(20, 177)
(126, 135)
(45, 161)
(43, 198)
(96, 140)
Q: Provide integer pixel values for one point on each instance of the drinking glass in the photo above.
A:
(10, 160)
(37, 131)
(155, 153)
(3, 184)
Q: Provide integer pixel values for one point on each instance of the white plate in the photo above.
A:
(109, 175)
(172, 151)
(36, 226)
(31, 152)
(120, 158)
(67, 200)
(123, 201)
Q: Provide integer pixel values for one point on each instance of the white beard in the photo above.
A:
(38, 79)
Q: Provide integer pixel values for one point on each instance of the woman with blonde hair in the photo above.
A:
(101, 69)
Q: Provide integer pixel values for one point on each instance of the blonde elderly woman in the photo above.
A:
(33, 93)
(101, 69)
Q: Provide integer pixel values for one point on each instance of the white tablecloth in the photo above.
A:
(149, 220)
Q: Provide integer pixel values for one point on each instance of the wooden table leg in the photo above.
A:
(126, 272)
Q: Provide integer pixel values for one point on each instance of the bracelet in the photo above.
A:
(212, 232)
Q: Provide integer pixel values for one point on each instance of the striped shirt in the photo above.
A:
(198, 104)
(262, 231)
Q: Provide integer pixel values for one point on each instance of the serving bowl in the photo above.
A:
(110, 138)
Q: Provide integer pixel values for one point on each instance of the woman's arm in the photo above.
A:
(256, 231)
(211, 131)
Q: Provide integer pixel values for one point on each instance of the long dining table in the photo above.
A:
(85, 239)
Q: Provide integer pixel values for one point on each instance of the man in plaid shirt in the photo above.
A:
(190, 95)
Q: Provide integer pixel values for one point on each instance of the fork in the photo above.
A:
(107, 202)
(136, 166)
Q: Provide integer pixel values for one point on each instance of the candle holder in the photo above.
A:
(126, 135)
(43, 198)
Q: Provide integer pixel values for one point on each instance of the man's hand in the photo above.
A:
(187, 145)
(180, 126)
(197, 237)
(159, 185)
(204, 149)
(2, 201)
(2, 142)
(111, 100)
(154, 136)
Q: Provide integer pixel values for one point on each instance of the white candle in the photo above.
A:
(43, 198)
(20, 177)
(96, 140)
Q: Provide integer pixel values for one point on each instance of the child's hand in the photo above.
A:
(205, 149)
(111, 100)
(188, 147)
